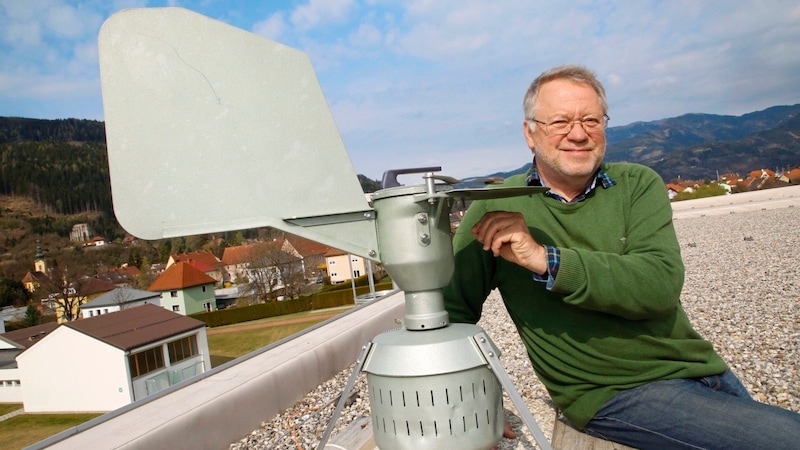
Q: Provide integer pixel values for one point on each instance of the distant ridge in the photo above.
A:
(700, 146)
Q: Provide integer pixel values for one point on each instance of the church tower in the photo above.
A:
(39, 264)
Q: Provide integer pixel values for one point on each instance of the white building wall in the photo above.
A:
(68, 371)
(195, 298)
(91, 312)
(10, 386)
(341, 270)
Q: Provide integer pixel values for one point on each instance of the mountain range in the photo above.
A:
(704, 146)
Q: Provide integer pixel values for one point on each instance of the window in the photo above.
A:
(105, 310)
(204, 288)
(91, 313)
(173, 293)
(182, 349)
(146, 361)
(176, 308)
(207, 306)
(356, 273)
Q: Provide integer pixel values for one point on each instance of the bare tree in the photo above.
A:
(274, 272)
(121, 297)
(293, 274)
(67, 295)
(264, 274)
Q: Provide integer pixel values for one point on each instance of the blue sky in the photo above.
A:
(440, 82)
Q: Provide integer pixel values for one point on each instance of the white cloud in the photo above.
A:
(25, 34)
(272, 27)
(317, 12)
(366, 35)
(64, 21)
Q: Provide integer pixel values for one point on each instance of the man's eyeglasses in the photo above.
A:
(559, 127)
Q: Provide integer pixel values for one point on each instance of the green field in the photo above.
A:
(225, 347)
(6, 408)
(26, 429)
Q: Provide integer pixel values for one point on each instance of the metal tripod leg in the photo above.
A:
(343, 398)
(485, 345)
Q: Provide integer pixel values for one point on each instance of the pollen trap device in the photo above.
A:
(211, 128)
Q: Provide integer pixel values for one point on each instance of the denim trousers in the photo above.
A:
(713, 412)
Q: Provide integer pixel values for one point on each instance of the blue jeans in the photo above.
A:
(714, 412)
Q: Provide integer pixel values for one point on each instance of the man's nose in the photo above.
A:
(576, 131)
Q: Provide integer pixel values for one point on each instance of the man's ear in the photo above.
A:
(528, 133)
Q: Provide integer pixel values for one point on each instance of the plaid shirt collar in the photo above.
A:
(533, 179)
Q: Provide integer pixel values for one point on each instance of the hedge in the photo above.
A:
(319, 300)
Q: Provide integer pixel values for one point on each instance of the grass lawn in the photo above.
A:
(225, 347)
(26, 429)
(6, 408)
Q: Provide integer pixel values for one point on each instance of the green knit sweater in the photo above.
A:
(613, 319)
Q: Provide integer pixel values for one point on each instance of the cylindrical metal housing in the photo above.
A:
(433, 389)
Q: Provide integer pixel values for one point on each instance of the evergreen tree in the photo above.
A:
(13, 293)
(32, 316)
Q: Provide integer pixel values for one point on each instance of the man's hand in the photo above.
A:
(506, 234)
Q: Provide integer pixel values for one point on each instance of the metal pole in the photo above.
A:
(483, 341)
(371, 281)
(352, 278)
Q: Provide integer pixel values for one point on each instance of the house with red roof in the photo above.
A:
(313, 254)
(237, 259)
(120, 277)
(673, 190)
(791, 176)
(185, 289)
(202, 260)
(33, 280)
(118, 358)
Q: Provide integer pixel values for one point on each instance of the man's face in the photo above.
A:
(567, 160)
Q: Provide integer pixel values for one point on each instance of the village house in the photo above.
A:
(204, 261)
(673, 190)
(67, 305)
(119, 299)
(313, 255)
(240, 261)
(120, 357)
(185, 290)
(10, 385)
(791, 176)
(120, 277)
(345, 267)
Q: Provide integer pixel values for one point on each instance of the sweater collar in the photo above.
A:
(601, 177)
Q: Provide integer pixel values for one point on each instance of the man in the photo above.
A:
(591, 274)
